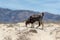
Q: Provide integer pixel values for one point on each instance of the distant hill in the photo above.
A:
(12, 16)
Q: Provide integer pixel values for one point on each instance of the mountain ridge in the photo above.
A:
(13, 16)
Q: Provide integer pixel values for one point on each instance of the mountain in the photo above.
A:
(51, 17)
(12, 16)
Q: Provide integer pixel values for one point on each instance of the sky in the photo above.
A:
(51, 6)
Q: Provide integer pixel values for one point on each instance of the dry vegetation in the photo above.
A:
(18, 31)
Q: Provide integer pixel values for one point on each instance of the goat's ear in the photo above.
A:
(30, 16)
(42, 14)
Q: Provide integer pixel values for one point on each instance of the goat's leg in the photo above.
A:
(26, 24)
(32, 26)
(38, 24)
(42, 25)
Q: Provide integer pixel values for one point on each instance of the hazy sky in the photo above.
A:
(52, 6)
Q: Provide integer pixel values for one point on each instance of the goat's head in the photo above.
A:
(42, 13)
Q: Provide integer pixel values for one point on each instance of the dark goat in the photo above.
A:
(34, 18)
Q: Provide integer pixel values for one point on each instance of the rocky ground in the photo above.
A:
(18, 31)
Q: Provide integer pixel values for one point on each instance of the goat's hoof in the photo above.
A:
(32, 27)
(41, 28)
(36, 27)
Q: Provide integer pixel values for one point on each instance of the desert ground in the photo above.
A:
(19, 31)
